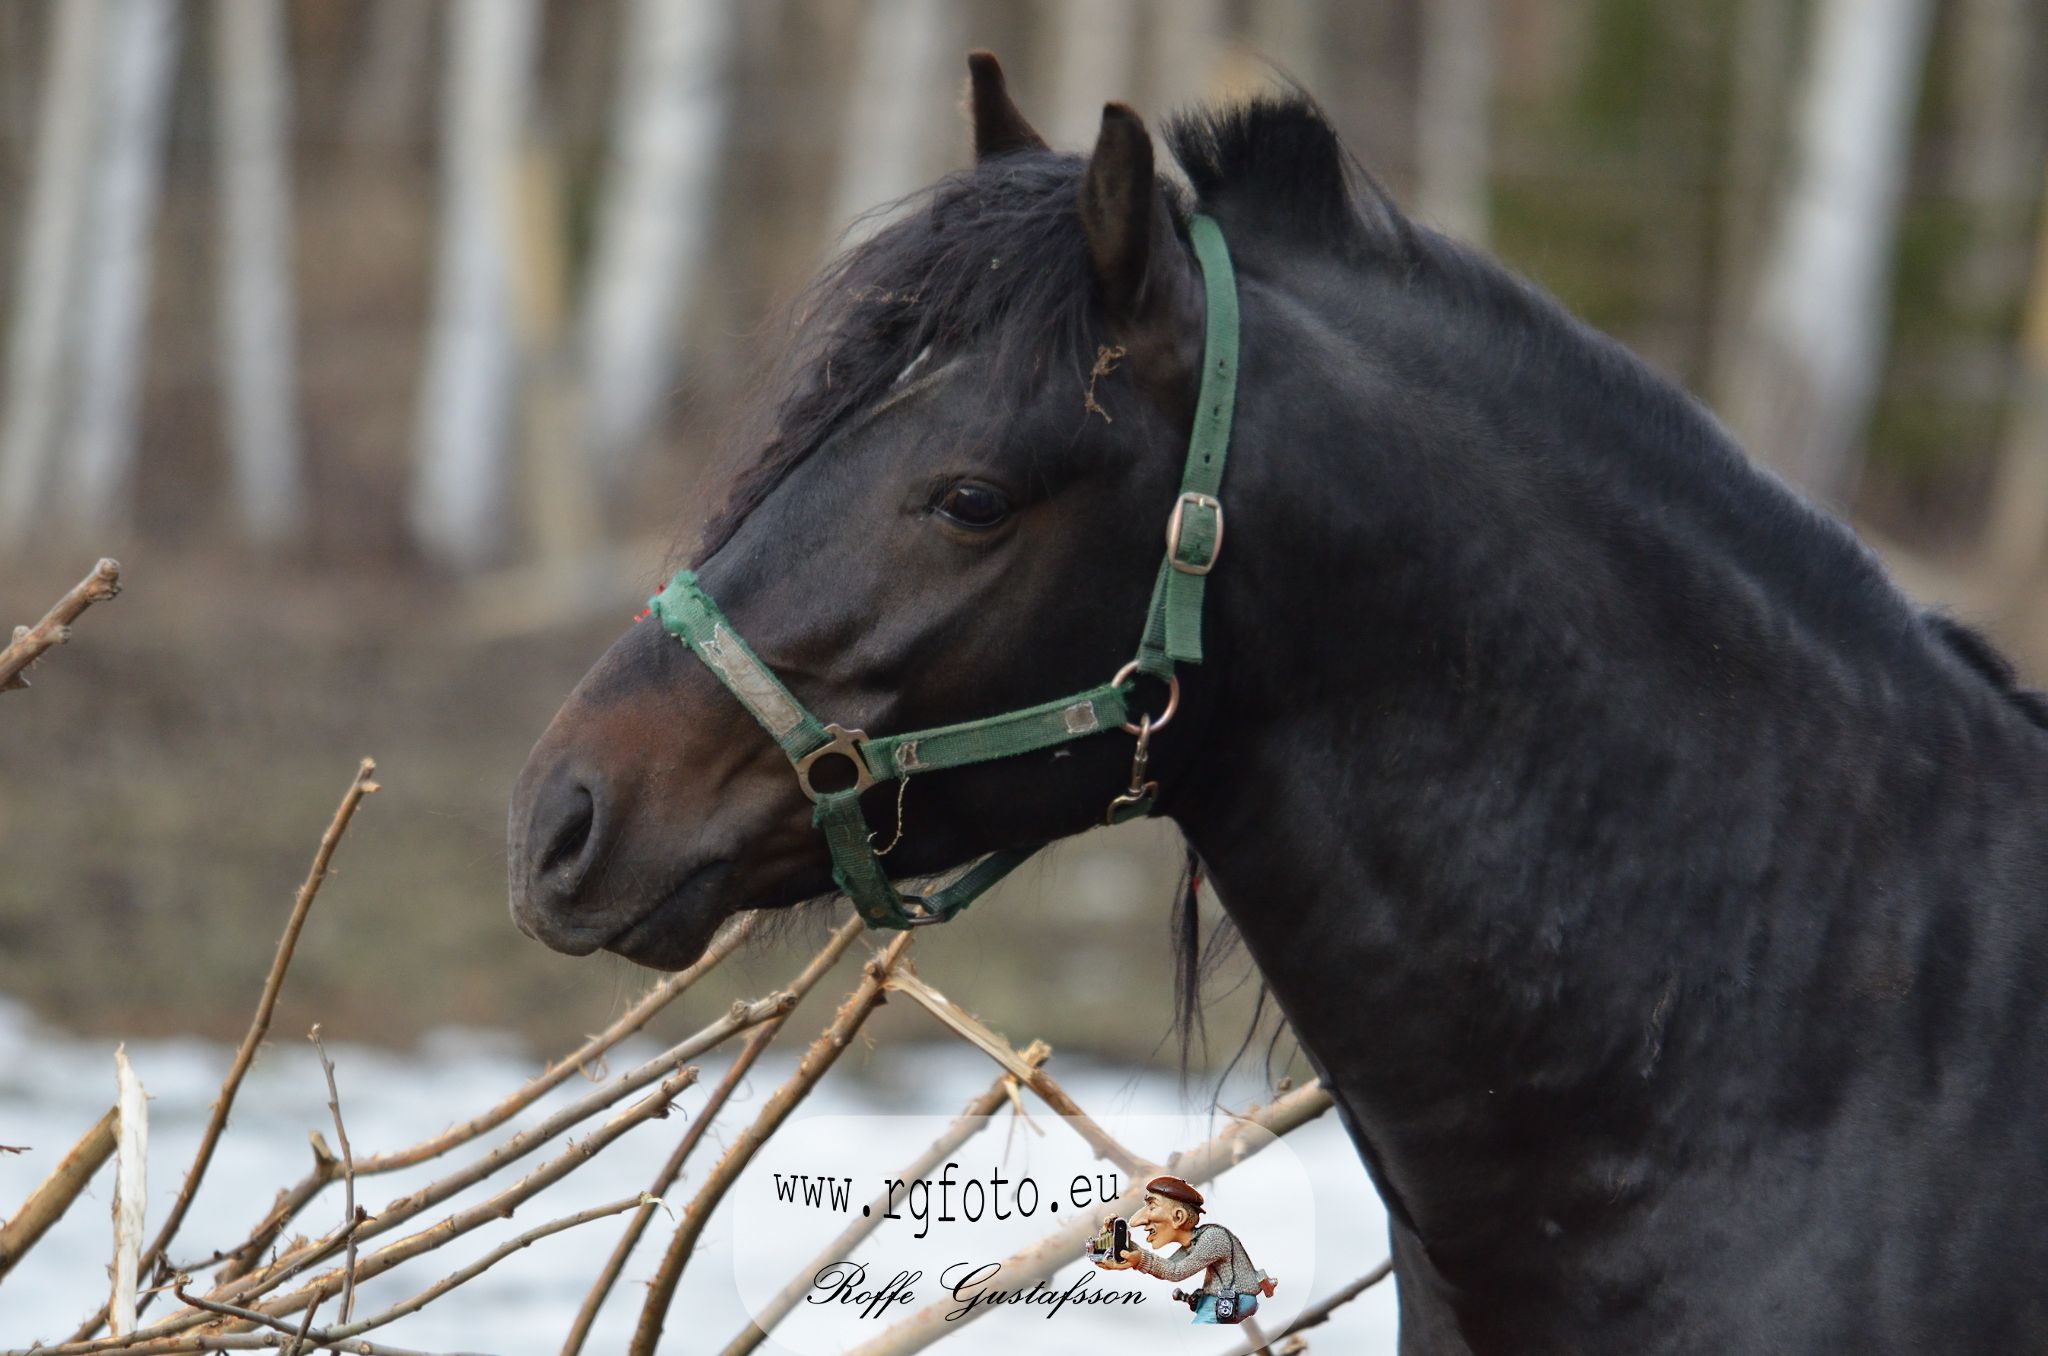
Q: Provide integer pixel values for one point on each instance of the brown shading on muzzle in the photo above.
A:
(628, 820)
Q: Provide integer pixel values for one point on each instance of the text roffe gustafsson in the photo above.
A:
(949, 1199)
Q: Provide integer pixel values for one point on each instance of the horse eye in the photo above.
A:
(973, 504)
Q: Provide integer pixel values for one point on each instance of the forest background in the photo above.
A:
(388, 344)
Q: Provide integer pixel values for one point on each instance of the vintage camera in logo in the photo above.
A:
(1111, 1244)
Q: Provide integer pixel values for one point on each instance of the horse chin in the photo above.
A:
(674, 932)
(670, 937)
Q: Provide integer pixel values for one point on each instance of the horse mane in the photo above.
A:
(1976, 651)
(994, 255)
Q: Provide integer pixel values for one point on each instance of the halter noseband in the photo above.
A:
(1173, 635)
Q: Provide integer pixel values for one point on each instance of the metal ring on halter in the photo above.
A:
(846, 743)
(1172, 697)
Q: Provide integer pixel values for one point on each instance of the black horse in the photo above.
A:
(1663, 897)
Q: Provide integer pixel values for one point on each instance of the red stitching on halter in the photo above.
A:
(644, 613)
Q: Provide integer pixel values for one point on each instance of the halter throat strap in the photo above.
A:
(1172, 635)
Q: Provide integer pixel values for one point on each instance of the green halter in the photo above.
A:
(1173, 635)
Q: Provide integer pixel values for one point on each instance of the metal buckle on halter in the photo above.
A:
(1189, 499)
(847, 744)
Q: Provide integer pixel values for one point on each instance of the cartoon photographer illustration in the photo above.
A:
(1231, 1285)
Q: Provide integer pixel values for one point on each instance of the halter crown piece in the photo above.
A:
(1172, 636)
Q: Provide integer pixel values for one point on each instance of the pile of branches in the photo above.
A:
(266, 1290)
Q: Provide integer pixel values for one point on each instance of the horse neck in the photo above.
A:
(1536, 727)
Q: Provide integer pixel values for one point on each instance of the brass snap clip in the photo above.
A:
(1141, 790)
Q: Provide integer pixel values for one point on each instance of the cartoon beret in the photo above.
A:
(1173, 1189)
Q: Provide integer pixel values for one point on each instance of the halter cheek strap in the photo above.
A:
(1172, 636)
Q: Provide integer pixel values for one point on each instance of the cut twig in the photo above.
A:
(348, 1178)
(500, 1206)
(579, 1331)
(57, 1192)
(290, 1339)
(243, 1257)
(741, 1017)
(173, 1335)
(485, 1263)
(131, 1191)
(298, 1341)
(55, 628)
(341, 1332)
(259, 1026)
(970, 1121)
(326, 1167)
(1319, 1313)
(824, 1052)
(1231, 1146)
(971, 1029)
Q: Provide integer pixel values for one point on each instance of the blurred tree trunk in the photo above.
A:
(2001, 140)
(1091, 46)
(657, 216)
(2017, 542)
(44, 296)
(384, 100)
(1294, 36)
(259, 362)
(1454, 96)
(903, 118)
(1761, 49)
(462, 479)
(138, 56)
(2001, 135)
(1185, 57)
(1814, 343)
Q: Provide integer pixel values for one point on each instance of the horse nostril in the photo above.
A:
(563, 823)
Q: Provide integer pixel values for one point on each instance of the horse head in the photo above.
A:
(958, 511)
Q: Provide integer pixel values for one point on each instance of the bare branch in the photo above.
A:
(55, 628)
(348, 1179)
(57, 1192)
(964, 1127)
(243, 1257)
(822, 1055)
(1319, 1313)
(741, 1017)
(579, 1331)
(341, 1332)
(500, 1206)
(259, 1026)
(1231, 1146)
(173, 1335)
(971, 1029)
(483, 1264)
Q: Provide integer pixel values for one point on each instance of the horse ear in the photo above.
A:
(998, 127)
(1148, 281)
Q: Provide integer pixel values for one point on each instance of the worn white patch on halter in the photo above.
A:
(751, 683)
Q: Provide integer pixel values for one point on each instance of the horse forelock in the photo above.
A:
(995, 255)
